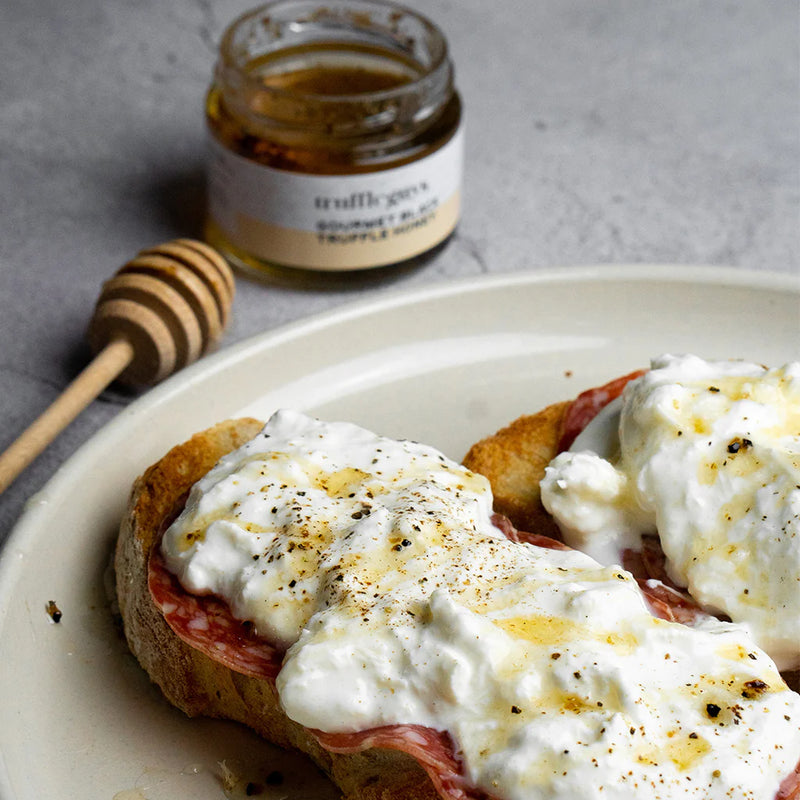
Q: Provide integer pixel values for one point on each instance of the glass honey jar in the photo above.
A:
(336, 137)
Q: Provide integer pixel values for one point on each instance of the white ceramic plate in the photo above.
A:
(78, 719)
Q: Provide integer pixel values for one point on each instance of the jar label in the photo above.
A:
(336, 222)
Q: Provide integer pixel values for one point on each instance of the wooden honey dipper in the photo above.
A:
(159, 312)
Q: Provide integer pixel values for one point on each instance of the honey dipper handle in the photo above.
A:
(108, 363)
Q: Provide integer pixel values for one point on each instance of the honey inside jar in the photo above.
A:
(335, 69)
(346, 94)
(307, 106)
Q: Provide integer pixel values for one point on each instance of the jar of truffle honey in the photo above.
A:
(336, 137)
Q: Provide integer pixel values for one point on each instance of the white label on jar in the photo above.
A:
(336, 222)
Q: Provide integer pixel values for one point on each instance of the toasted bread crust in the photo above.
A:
(514, 459)
(200, 686)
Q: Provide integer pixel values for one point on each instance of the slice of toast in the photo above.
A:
(192, 681)
(198, 685)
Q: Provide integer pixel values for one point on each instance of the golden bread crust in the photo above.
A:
(192, 681)
(513, 459)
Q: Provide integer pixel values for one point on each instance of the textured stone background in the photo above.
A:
(623, 131)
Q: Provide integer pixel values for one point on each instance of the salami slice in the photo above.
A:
(668, 603)
(433, 750)
(587, 405)
(790, 788)
(206, 624)
(539, 540)
(649, 563)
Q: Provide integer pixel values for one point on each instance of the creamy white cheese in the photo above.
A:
(376, 564)
(708, 455)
